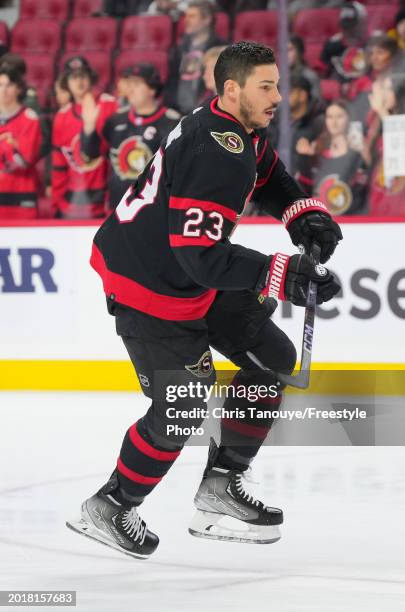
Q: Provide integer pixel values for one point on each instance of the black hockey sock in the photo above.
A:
(141, 464)
(242, 435)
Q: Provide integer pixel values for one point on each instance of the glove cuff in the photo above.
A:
(300, 207)
(275, 278)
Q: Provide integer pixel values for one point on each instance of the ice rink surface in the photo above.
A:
(343, 544)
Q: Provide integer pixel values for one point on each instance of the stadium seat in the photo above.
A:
(330, 89)
(260, 26)
(313, 54)
(315, 25)
(100, 61)
(4, 34)
(381, 17)
(222, 27)
(147, 32)
(129, 58)
(86, 8)
(40, 74)
(91, 34)
(44, 9)
(36, 36)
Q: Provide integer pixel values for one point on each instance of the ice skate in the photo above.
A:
(227, 511)
(117, 525)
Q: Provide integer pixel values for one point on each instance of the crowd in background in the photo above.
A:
(76, 157)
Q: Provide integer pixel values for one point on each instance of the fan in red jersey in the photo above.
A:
(20, 143)
(133, 135)
(79, 186)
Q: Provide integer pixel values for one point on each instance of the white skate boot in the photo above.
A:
(226, 511)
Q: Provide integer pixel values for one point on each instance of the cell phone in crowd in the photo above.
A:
(355, 135)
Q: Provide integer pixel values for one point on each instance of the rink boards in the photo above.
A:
(57, 334)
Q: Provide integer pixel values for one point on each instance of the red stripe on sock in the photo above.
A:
(148, 450)
(134, 476)
(252, 431)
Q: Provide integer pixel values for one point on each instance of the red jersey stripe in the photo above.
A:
(177, 240)
(206, 205)
(130, 293)
(134, 476)
(147, 449)
(263, 181)
(260, 157)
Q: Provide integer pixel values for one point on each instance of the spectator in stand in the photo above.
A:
(307, 119)
(386, 195)
(15, 61)
(78, 186)
(337, 175)
(398, 33)
(353, 33)
(185, 86)
(121, 88)
(298, 65)
(133, 135)
(209, 60)
(20, 148)
(173, 8)
(383, 59)
(61, 94)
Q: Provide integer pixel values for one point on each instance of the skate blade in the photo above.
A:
(89, 531)
(207, 525)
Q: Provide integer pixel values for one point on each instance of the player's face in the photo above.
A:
(259, 97)
(79, 84)
(9, 91)
(139, 93)
(337, 121)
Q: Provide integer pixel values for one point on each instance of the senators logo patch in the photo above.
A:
(130, 158)
(229, 140)
(204, 367)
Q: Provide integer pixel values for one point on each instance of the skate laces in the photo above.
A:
(134, 525)
(243, 481)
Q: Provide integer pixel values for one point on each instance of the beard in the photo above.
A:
(247, 114)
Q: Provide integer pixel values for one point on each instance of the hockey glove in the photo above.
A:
(309, 221)
(287, 278)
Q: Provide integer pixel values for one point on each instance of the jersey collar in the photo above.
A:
(146, 119)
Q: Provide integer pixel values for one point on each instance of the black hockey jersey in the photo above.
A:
(132, 140)
(165, 250)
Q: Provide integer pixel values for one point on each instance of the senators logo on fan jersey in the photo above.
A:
(131, 157)
(336, 194)
(75, 158)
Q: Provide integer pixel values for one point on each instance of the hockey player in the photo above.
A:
(176, 286)
(20, 147)
(78, 186)
(133, 135)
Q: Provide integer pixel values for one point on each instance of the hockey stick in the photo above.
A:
(301, 380)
